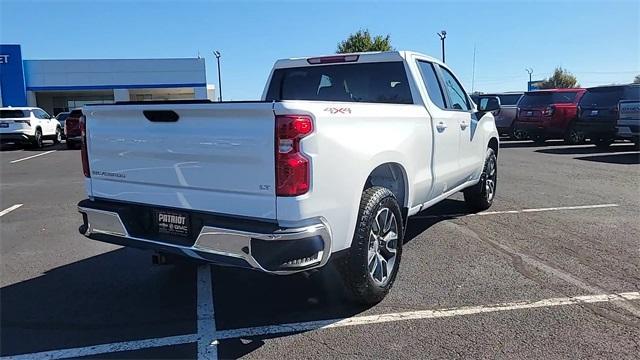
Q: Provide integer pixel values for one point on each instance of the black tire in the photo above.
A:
(37, 139)
(574, 136)
(369, 247)
(71, 145)
(539, 140)
(58, 136)
(479, 197)
(518, 134)
(603, 143)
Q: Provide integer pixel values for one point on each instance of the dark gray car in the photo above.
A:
(508, 110)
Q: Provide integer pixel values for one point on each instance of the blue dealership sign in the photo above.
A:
(534, 85)
(12, 76)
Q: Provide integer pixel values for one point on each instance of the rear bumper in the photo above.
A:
(278, 251)
(592, 128)
(14, 137)
(531, 128)
(628, 130)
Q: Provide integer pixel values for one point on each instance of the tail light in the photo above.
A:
(83, 147)
(292, 167)
(549, 111)
(28, 122)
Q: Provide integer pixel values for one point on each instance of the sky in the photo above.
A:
(598, 41)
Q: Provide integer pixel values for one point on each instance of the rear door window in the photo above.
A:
(432, 84)
(41, 114)
(384, 82)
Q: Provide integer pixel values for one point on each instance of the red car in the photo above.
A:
(72, 129)
(549, 114)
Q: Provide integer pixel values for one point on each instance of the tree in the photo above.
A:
(636, 80)
(362, 41)
(560, 79)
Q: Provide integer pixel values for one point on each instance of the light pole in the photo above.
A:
(529, 71)
(443, 35)
(217, 54)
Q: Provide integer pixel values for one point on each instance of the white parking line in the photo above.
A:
(32, 156)
(107, 348)
(207, 343)
(560, 274)
(422, 314)
(328, 324)
(9, 209)
(579, 207)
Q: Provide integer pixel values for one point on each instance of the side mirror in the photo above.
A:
(488, 103)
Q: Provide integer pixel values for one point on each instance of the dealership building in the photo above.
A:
(60, 85)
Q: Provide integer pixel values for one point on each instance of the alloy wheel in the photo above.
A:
(490, 180)
(383, 244)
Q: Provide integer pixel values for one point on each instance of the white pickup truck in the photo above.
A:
(339, 152)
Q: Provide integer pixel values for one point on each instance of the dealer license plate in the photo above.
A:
(173, 223)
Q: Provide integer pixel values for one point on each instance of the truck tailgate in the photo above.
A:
(215, 157)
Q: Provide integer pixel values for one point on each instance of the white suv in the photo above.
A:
(28, 125)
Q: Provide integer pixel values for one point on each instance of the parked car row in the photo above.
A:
(600, 114)
(28, 125)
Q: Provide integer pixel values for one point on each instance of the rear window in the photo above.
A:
(509, 99)
(13, 114)
(632, 93)
(545, 98)
(603, 97)
(384, 82)
(62, 116)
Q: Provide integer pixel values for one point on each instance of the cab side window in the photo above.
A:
(457, 97)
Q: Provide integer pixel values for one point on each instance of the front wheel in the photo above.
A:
(480, 196)
(371, 267)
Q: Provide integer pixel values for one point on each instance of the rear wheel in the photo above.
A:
(480, 196)
(518, 134)
(58, 137)
(370, 269)
(37, 139)
(574, 136)
(70, 145)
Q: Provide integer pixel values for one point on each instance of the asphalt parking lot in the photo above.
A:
(552, 270)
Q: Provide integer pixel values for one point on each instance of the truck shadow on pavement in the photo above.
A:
(112, 297)
(444, 210)
(119, 296)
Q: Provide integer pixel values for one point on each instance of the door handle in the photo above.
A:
(441, 126)
(463, 125)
